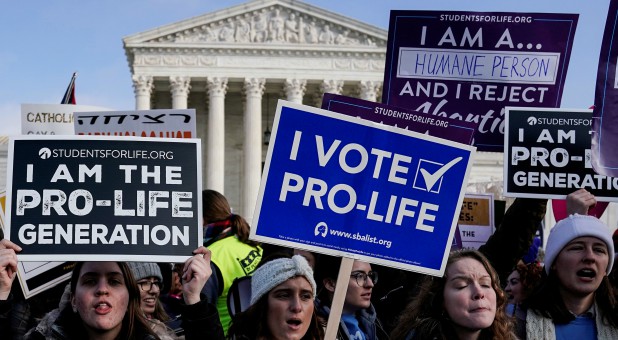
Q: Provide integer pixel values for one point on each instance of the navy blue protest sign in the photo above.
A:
(346, 186)
(547, 155)
(104, 198)
(605, 114)
(469, 65)
(451, 129)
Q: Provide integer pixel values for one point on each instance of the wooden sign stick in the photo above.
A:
(341, 288)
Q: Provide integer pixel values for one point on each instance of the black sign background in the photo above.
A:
(533, 122)
(138, 152)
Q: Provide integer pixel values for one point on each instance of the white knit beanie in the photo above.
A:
(275, 272)
(142, 270)
(573, 227)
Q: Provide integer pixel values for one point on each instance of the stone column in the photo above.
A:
(295, 89)
(328, 86)
(215, 159)
(369, 90)
(180, 87)
(142, 87)
(254, 89)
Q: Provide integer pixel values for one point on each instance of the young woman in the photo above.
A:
(105, 301)
(149, 280)
(574, 300)
(282, 303)
(359, 319)
(466, 303)
(520, 283)
(234, 255)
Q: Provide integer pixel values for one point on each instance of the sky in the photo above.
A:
(46, 41)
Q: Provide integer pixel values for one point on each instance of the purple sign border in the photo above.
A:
(457, 131)
(604, 115)
(394, 44)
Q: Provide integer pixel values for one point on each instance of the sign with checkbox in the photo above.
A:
(345, 186)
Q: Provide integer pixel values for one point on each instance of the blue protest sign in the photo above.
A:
(346, 186)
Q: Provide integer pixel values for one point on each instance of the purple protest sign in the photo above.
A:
(469, 66)
(605, 113)
(451, 129)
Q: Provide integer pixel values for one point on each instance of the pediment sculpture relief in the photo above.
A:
(275, 25)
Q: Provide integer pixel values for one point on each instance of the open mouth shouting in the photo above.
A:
(294, 323)
(586, 273)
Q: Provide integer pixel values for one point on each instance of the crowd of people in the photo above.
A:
(507, 289)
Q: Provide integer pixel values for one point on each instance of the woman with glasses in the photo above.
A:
(358, 318)
(150, 283)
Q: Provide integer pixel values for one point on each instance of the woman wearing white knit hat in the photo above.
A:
(282, 303)
(574, 299)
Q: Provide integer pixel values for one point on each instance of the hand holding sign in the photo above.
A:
(579, 202)
(8, 266)
(195, 274)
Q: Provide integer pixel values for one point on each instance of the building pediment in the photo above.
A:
(266, 24)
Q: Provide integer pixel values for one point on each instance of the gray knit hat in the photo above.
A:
(142, 270)
(275, 272)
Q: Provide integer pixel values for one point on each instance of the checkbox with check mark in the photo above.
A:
(429, 174)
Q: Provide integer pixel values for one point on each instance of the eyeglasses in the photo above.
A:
(147, 285)
(361, 277)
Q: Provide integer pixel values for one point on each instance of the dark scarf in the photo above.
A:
(215, 231)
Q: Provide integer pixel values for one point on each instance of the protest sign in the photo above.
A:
(547, 155)
(476, 219)
(345, 186)
(605, 115)
(451, 129)
(50, 119)
(145, 123)
(36, 277)
(469, 66)
(104, 198)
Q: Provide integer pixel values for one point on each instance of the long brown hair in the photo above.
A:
(547, 301)
(133, 322)
(426, 315)
(529, 276)
(215, 208)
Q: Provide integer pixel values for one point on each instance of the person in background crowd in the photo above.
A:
(234, 255)
(150, 282)
(282, 303)
(359, 319)
(105, 301)
(574, 300)
(311, 257)
(466, 303)
(521, 282)
(504, 249)
(172, 300)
